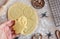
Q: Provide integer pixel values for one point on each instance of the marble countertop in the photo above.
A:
(45, 24)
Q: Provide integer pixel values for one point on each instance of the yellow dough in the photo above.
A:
(25, 18)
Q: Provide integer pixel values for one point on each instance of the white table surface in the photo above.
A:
(45, 24)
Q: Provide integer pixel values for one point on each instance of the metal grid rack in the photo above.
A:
(55, 9)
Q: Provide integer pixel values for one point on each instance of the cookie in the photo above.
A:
(25, 18)
(38, 4)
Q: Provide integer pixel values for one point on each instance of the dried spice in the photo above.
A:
(49, 35)
(44, 14)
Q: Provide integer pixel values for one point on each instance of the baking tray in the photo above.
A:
(55, 10)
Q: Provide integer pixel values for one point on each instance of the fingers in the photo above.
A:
(9, 23)
(7, 27)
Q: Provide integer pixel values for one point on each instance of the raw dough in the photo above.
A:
(25, 18)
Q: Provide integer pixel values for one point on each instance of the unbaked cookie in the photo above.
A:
(25, 18)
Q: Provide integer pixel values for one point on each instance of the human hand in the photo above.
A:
(6, 31)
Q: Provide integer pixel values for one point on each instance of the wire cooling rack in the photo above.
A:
(55, 9)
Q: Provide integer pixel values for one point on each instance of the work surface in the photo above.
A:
(45, 24)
